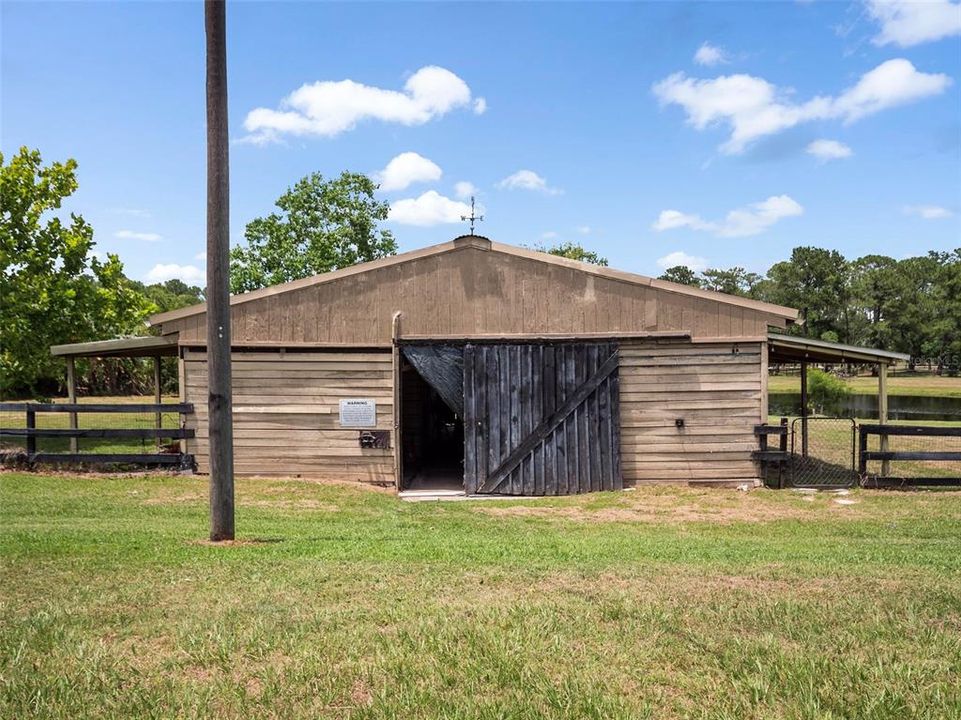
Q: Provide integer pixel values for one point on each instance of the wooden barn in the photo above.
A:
(486, 368)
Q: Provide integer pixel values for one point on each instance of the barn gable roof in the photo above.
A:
(481, 243)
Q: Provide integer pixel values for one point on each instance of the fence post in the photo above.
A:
(862, 451)
(883, 413)
(804, 409)
(782, 446)
(31, 439)
(72, 398)
(158, 398)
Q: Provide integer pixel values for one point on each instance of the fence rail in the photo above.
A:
(30, 432)
(886, 455)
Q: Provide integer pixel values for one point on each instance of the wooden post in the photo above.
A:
(31, 424)
(72, 398)
(804, 409)
(158, 418)
(883, 413)
(219, 402)
(398, 459)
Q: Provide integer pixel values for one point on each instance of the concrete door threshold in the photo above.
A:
(452, 495)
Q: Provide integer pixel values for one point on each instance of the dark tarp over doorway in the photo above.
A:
(432, 402)
(442, 366)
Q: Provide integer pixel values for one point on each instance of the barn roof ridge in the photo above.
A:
(481, 243)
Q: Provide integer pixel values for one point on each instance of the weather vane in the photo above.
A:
(472, 217)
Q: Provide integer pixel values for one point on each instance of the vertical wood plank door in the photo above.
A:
(541, 419)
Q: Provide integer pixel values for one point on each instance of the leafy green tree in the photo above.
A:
(53, 290)
(925, 319)
(947, 328)
(681, 274)
(171, 295)
(825, 391)
(876, 285)
(817, 282)
(322, 225)
(736, 281)
(573, 251)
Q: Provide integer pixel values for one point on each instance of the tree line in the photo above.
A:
(55, 289)
(910, 305)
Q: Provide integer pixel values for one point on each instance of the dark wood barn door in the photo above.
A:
(541, 419)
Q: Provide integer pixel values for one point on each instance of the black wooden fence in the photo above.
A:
(889, 477)
(30, 432)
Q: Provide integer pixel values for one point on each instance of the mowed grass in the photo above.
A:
(345, 602)
(899, 383)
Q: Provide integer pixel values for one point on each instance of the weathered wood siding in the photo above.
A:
(541, 419)
(470, 292)
(286, 413)
(716, 391)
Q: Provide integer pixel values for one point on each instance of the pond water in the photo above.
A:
(864, 405)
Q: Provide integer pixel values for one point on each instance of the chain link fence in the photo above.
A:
(824, 456)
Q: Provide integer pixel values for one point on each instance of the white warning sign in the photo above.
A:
(358, 412)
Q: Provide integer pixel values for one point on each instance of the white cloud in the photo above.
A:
(697, 264)
(480, 106)
(202, 256)
(710, 55)
(406, 169)
(131, 212)
(584, 229)
(909, 22)
(328, 108)
(742, 222)
(928, 212)
(527, 180)
(164, 272)
(464, 190)
(549, 235)
(825, 150)
(131, 235)
(431, 208)
(754, 108)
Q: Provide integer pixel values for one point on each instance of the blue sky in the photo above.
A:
(723, 132)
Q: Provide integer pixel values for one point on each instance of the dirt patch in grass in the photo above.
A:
(289, 504)
(243, 542)
(189, 498)
(714, 506)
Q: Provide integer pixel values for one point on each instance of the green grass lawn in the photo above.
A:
(345, 602)
(899, 383)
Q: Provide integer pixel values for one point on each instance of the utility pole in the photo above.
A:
(219, 405)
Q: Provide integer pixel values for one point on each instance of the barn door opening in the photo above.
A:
(432, 417)
(541, 419)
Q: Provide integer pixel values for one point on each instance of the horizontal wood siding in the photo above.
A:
(286, 413)
(474, 292)
(718, 394)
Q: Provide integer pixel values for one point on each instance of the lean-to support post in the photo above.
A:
(883, 413)
(72, 398)
(219, 409)
(804, 409)
(157, 398)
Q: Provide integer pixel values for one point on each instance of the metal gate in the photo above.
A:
(541, 419)
(824, 455)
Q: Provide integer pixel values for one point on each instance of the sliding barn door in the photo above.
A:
(541, 419)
